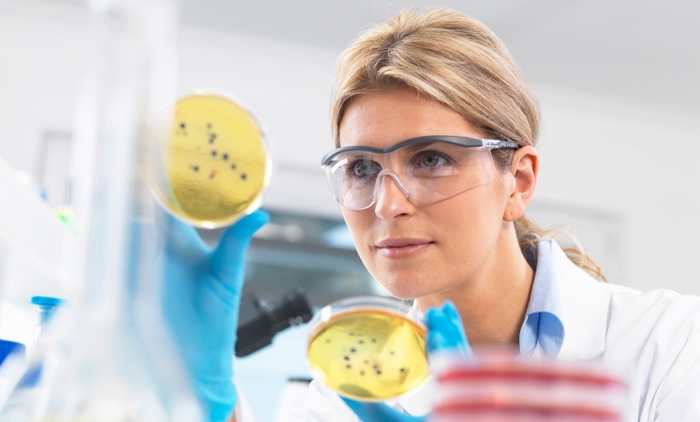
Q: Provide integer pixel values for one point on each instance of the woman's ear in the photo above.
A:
(524, 169)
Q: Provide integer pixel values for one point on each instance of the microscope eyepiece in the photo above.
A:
(258, 322)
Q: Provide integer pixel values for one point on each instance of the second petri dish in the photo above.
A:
(215, 162)
(368, 348)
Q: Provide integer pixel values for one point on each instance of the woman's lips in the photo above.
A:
(402, 248)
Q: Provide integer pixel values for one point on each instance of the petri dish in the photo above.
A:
(368, 348)
(214, 162)
(499, 384)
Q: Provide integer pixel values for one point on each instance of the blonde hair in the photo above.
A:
(457, 61)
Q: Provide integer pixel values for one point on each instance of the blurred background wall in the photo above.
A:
(617, 80)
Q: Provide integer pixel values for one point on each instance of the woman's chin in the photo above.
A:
(406, 288)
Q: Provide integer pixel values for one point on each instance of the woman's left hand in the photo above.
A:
(445, 331)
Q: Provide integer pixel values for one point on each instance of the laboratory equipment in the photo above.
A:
(258, 322)
(121, 363)
(214, 165)
(368, 348)
(497, 384)
(31, 242)
(8, 348)
(27, 399)
(445, 335)
(12, 365)
(46, 306)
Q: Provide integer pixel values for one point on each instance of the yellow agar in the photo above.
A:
(215, 160)
(369, 354)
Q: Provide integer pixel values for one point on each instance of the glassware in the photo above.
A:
(120, 363)
(368, 348)
(28, 397)
(214, 164)
(498, 385)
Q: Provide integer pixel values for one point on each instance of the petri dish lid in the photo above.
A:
(368, 303)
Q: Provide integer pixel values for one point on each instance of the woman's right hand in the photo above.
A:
(202, 291)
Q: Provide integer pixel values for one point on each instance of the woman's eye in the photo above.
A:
(363, 168)
(431, 159)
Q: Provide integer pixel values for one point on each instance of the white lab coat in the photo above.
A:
(652, 338)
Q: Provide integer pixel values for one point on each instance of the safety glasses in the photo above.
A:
(427, 169)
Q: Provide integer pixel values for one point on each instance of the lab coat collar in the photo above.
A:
(585, 305)
(542, 328)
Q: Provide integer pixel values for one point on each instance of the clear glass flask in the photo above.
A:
(120, 363)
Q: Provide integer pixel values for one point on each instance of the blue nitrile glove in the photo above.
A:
(445, 333)
(379, 412)
(202, 289)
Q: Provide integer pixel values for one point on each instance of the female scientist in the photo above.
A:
(434, 167)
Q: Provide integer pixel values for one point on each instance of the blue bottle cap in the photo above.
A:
(46, 301)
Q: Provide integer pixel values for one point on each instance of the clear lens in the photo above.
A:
(430, 171)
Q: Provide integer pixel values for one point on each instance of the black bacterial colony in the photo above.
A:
(369, 355)
(216, 163)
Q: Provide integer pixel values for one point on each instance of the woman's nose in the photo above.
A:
(392, 198)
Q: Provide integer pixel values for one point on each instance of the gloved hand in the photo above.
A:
(379, 412)
(445, 333)
(201, 292)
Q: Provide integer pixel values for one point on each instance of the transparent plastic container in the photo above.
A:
(368, 348)
(118, 361)
(214, 166)
(497, 385)
(28, 397)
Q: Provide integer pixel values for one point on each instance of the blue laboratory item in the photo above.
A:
(445, 334)
(379, 412)
(47, 306)
(9, 347)
(25, 401)
(202, 289)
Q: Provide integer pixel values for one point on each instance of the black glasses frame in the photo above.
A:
(456, 140)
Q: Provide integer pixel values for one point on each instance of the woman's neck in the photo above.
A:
(494, 303)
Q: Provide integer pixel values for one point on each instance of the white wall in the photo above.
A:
(41, 52)
(636, 166)
(621, 174)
